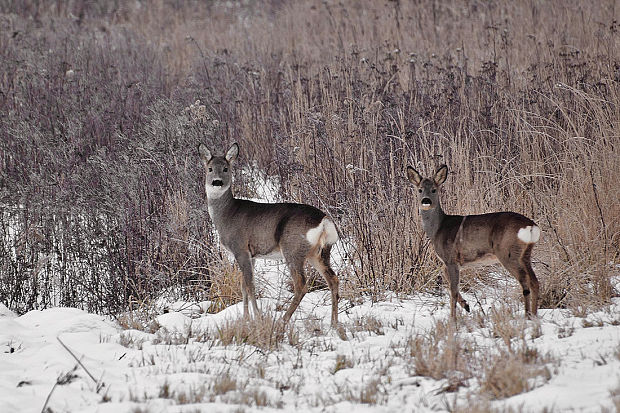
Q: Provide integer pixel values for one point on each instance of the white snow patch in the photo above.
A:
(265, 187)
(5, 312)
(299, 378)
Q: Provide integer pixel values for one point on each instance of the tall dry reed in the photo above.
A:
(520, 99)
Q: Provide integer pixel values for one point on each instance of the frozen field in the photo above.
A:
(185, 366)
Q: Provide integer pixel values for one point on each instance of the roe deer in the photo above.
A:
(460, 241)
(249, 230)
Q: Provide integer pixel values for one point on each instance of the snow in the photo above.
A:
(156, 372)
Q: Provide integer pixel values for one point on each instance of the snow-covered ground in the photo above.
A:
(184, 367)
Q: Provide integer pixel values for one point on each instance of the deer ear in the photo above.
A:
(414, 176)
(205, 154)
(441, 175)
(233, 152)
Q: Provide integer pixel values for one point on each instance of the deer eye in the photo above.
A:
(210, 169)
(225, 169)
(419, 190)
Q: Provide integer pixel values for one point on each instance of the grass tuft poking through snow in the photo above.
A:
(398, 353)
(265, 332)
(441, 354)
(513, 371)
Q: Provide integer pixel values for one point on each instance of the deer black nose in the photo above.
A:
(426, 202)
(217, 182)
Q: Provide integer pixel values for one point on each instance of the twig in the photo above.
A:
(600, 212)
(62, 379)
(97, 383)
(49, 396)
(479, 303)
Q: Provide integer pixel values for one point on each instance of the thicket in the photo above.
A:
(101, 189)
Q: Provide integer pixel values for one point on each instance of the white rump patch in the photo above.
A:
(331, 234)
(325, 232)
(529, 234)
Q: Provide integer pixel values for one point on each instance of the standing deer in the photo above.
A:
(460, 241)
(249, 230)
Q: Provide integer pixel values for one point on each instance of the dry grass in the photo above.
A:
(224, 383)
(131, 341)
(509, 366)
(511, 372)
(506, 325)
(342, 362)
(615, 394)
(442, 354)
(368, 324)
(566, 330)
(371, 393)
(520, 99)
(225, 286)
(143, 319)
(501, 363)
(265, 332)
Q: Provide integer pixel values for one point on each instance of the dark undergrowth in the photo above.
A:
(101, 186)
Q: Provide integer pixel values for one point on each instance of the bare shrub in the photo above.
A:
(100, 186)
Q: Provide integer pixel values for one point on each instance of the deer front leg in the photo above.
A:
(247, 283)
(452, 274)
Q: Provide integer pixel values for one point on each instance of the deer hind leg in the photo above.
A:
(296, 266)
(248, 292)
(322, 265)
(512, 261)
(252, 293)
(531, 278)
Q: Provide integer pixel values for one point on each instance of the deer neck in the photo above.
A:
(432, 220)
(220, 205)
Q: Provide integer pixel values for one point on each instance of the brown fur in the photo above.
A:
(461, 241)
(251, 230)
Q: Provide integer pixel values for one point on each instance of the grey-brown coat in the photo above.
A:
(461, 241)
(250, 230)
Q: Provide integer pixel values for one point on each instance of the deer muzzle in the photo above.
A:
(426, 204)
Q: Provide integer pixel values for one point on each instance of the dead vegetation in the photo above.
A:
(442, 353)
(328, 97)
(496, 366)
(266, 332)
